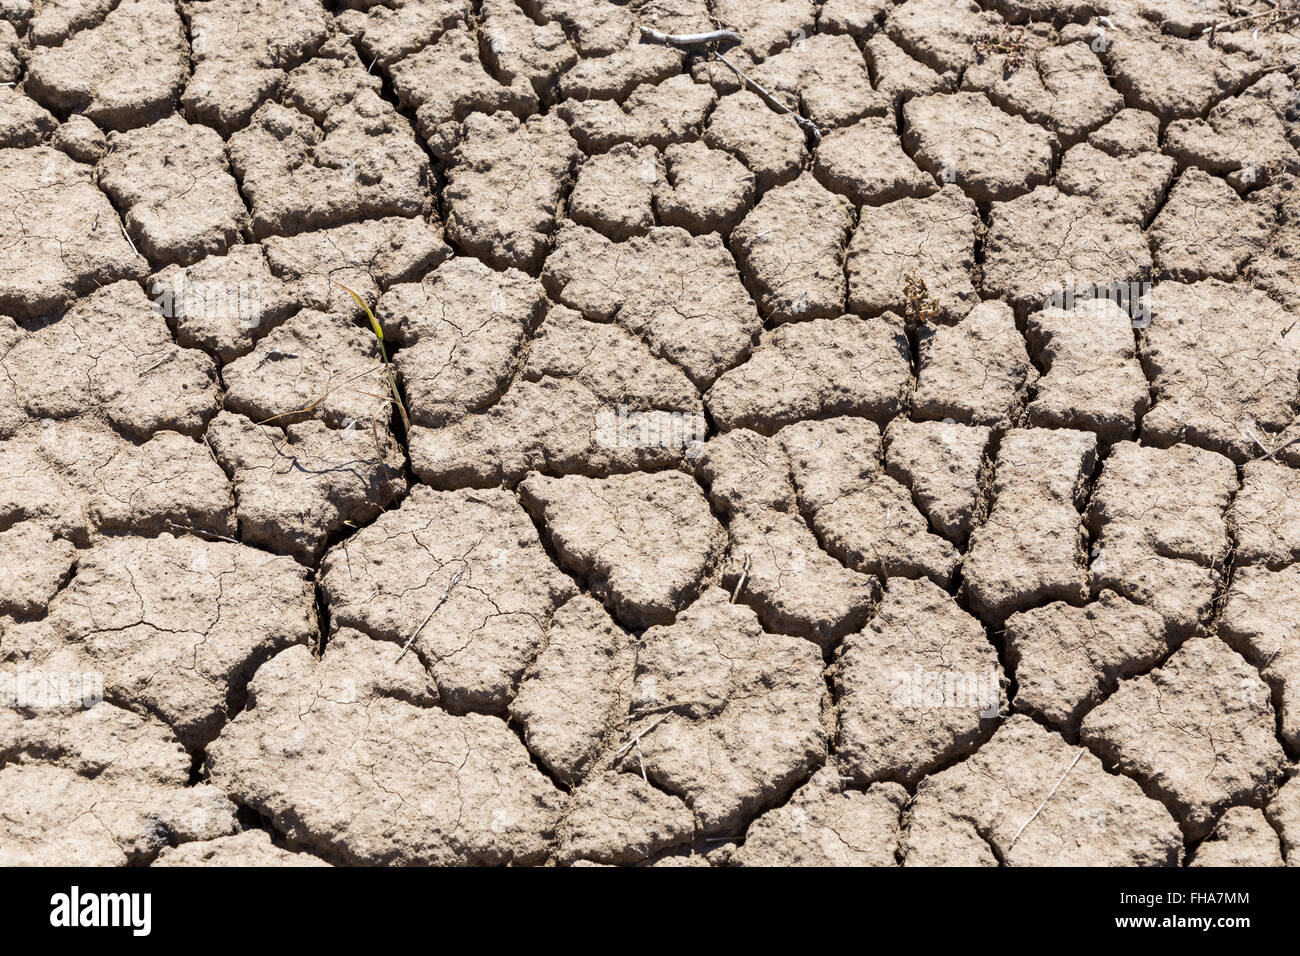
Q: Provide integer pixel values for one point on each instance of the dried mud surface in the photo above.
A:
(723, 490)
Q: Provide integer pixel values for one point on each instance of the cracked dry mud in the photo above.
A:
(721, 491)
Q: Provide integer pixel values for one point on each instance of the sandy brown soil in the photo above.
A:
(748, 472)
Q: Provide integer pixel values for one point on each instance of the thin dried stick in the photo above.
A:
(1226, 24)
(640, 759)
(690, 39)
(169, 355)
(127, 237)
(744, 576)
(714, 36)
(202, 531)
(807, 125)
(636, 741)
(411, 640)
(1045, 799)
(312, 406)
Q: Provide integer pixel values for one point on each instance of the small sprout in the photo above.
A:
(919, 305)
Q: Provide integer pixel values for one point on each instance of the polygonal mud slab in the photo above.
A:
(462, 330)
(1157, 517)
(964, 139)
(899, 76)
(174, 626)
(618, 819)
(249, 848)
(825, 78)
(1172, 499)
(746, 473)
(1283, 812)
(11, 68)
(614, 192)
(1258, 621)
(171, 181)
(1265, 515)
(1221, 367)
(1092, 378)
(1130, 133)
(34, 564)
(386, 34)
(1067, 659)
(742, 712)
(1026, 798)
(23, 121)
(604, 28)
(1123, 187)
(1197, 733)
(843, 366)
(861, 516)
(366, 257)
(919, 686)
(332, 150)
(445, 82)
(315, 365)
(99, 786)
(241, 50)
(769, 143)
(1047, 242)
(575, 695)
(615, 76)
(514, 46)
(1274, 270)
(678, 292)
(1031, 547)
(1064, 88)
(652, 115)
(135, 377)
(347, 757)
(82, 479)
(704, 190)
(60, 235)
(296, 487)
(941, 463)
(793, 585)
(1205, 230)
(644, 543)
(1241, 837)
(858, 18)
(590, 399)
(1182, 18)
(790, 250)
(940, 33)
(826, 824)
(505, 179)
(932, 239)
(223, 303)
(866, 162)
(126, 71)
(767, 27)
(81, 139)
(464, 575)
(1218, 143)
(1192, 78)
(976, 372)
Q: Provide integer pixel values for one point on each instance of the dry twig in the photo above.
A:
(636, 740)
(1045, 799)
(442, 600)
(690, 39)
(744, 576)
